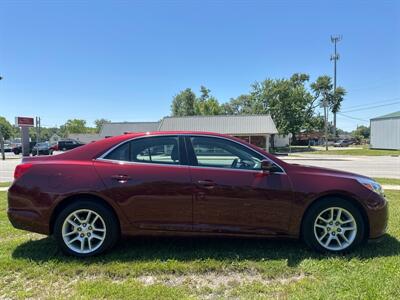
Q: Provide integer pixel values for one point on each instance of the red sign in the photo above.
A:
(24, 121)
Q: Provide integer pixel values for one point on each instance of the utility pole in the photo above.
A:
(325, 104)
(40, 124)
(335, 57)
(3, 155)
(37, 134)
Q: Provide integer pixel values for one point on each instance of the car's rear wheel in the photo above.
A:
(333, 225)
(86, 228)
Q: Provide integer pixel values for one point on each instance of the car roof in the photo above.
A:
(93, 150)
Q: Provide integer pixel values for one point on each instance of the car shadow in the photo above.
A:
(199, 248)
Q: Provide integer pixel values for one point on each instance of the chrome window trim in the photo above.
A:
(103, 159)
(124, 162)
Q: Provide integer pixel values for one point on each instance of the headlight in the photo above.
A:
(371, 185)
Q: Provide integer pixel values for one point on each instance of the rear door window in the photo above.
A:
(160, 150)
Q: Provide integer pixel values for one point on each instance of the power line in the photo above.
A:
(378, 101)
(371, 107)
(358, 119)
(375, 85)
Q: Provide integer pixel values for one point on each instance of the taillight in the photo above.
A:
(21, 169)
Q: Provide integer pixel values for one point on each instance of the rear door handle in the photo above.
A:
(208, 184)
(121, 178)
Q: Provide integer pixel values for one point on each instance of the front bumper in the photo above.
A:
(378, 215)
(376, 240)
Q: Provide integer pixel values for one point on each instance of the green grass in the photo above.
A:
(359, 152)
(390, 181)
(5, 184)
(31, 266)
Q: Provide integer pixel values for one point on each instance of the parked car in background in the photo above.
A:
(18, 148)
(42, 149)
(342, 143)
(64, 145)
(190, 183)
(7, 147)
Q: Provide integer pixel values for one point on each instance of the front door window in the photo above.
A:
(221, 153)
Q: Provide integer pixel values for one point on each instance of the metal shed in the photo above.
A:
(255, 129)
(117, 128)
(385, 132)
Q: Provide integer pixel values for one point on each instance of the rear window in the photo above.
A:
(121, 153)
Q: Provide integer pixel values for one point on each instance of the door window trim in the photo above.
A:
(191, 154)
(183, 161)
(185, 152)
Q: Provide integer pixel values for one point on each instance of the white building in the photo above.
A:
(385, 132)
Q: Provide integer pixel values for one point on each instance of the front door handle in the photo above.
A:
(121, 178)
(208, 184)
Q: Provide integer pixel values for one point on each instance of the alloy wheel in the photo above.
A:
(335, 228)
(83, 231)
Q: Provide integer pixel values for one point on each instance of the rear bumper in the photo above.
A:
(27, 220)
(24, 211)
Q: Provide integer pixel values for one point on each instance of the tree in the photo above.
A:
(45, 133)
(184, 103)
(99, 123)
(287, 101)
(323, 89)
(336, 103)
(205, 93)
(208, 107)
(315, 123)
(6, 128)
(238, 106)
(362, 130)
(291, 104)
(75, 126)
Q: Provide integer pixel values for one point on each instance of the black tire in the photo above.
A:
(309, 235)
(110, 220)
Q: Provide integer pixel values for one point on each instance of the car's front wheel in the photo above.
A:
(86, 228)
(333, 225)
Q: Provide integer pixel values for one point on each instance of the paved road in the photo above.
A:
(7, 166)
(372, 166)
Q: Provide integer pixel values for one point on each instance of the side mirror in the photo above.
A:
(267, 166)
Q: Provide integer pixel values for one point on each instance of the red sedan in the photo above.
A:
(190, 183)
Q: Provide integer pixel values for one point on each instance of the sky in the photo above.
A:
(124, 61)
